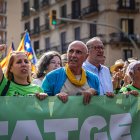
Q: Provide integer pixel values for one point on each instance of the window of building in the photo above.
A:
(45, 1)
(128, 4)
(36, 4)
(93, 5)
(47, 21)
(47, 44)
(63, 42)
(64, 11)
(127, 26)
(127, 53)
(27, 26)
(3, 7)
(93, 30)
(26, 7)
(36, 46)
(36, 25)
(77, 33)
(76, 8)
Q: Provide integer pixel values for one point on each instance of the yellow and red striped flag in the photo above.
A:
(4, 62)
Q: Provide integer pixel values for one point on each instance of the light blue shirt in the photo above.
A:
(104, 76)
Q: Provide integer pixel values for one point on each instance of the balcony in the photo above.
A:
(44, 4)
(3, 26)
(34, 33)
(89, 11)
(122, 38)
(25, 14)
(3, 12)
(64, 47)
(59, 0)
(44, 28)
(132, 8)
(2, 41)
(61, 23)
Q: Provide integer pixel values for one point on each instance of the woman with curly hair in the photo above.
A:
(49, 61)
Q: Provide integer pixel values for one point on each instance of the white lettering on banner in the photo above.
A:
(91, 122)
(61, 127)
(120, 126)
(26, 129)
(4, 128)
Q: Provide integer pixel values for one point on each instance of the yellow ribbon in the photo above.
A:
(72, 78)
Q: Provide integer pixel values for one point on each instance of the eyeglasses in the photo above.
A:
(98, 47)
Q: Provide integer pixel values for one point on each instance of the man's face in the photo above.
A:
(77, 54)
(96, 50)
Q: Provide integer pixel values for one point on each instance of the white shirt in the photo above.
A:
(104, 76)
(71, 89)
(37, 81)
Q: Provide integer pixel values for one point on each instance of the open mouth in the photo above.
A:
(73, 61)
(24, 70)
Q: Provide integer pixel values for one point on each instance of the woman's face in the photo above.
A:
(55, 63)
(21, 67)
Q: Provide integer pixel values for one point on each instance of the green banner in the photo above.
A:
(27, 118)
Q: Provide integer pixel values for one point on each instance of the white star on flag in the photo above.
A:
(27, 45)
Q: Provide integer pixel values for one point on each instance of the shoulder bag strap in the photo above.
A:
(3, 93)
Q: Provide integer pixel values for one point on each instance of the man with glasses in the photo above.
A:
(94, 64)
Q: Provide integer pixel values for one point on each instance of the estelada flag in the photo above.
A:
(25, 46)
(6, 59)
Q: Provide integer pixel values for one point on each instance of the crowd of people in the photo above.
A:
(81, 71)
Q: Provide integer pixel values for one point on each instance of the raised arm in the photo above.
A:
(2, 49)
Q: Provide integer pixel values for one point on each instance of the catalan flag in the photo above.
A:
(5, 60)
(25, 45)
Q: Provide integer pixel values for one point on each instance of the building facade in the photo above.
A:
(10, 23)
(14, 25)
(3, 21)
(116, 22)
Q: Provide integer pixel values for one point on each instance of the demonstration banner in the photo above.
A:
(27, 118)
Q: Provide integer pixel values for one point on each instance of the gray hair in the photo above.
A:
(131, 68)
(92, 40)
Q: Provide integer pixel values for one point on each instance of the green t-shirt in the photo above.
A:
(128, 88)
(17, 89)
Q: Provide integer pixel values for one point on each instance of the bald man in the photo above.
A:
(72, 79)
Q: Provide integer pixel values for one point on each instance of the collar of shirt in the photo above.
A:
(92, 67)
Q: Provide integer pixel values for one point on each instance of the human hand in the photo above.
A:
(116, 80)
(92, 91)
(86, 97)
(127, 80)
(110, 94)
(41, 96)
(132, 92)
(63, 96)
(2, 47)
